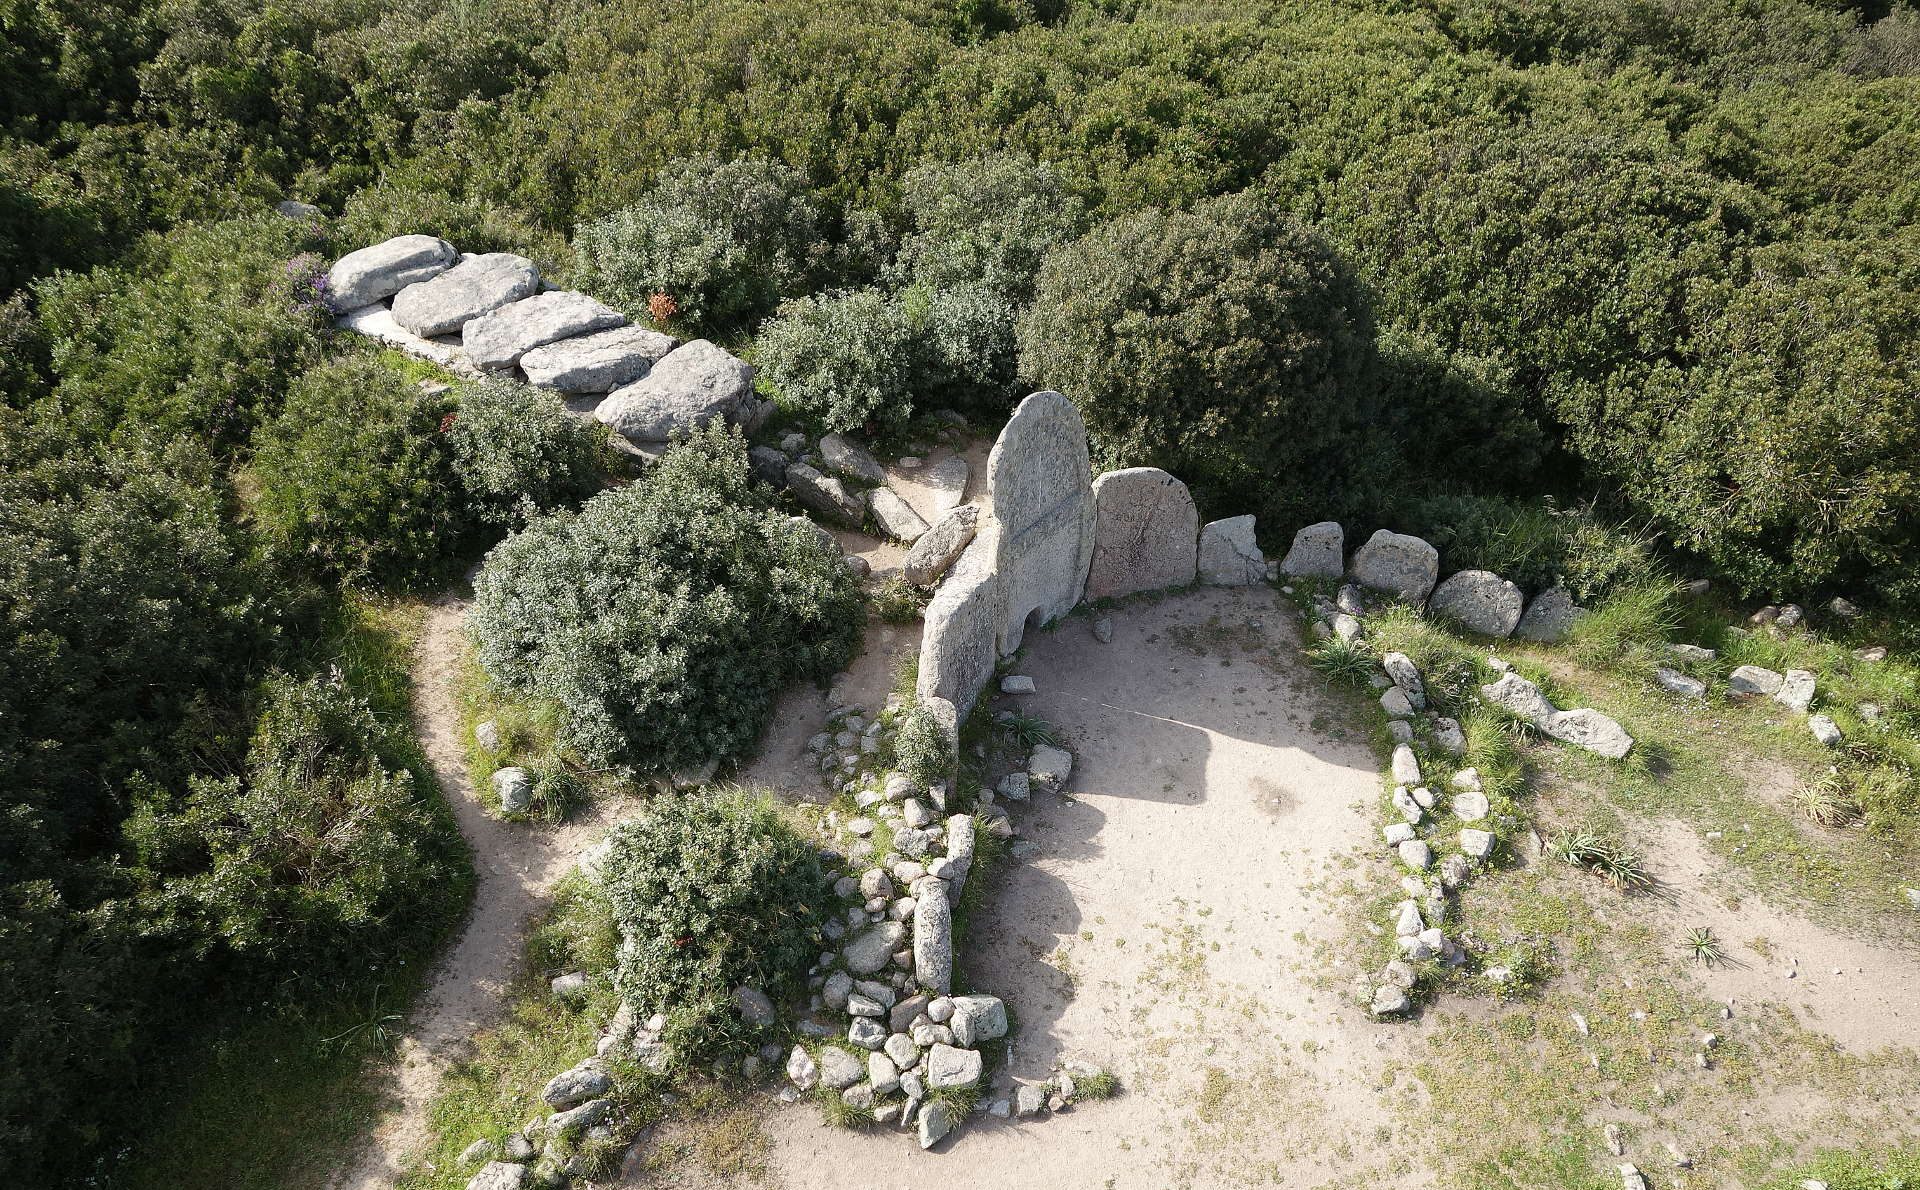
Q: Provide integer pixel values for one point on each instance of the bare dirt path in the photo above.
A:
(514, 866)
(1178, 924)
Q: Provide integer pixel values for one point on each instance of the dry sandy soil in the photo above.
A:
(1171, 926)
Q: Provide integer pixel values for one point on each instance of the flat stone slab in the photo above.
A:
(824, 494)
(381, 270)
(498, 339)
(599, 362)
(1144, 533)
(476, 285)
(688, 389)
(377, 322)
(895, 516)
(939, 546)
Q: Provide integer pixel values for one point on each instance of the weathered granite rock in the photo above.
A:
(1042, 499)
(589, 1080)
(514, 786)
(839, 1069)
(895, 516)
(1229, 555)
(802, 1071)
(936, 549)
(947, 481)
(850, 460)
(1400, 565)
(1477, 844)
(384, 269)
(1479, 601)
(1752, 680)
(1584, 726)
(579, 1119)
(873, 948)
(1144, 536)
(1470, 805)
(824, 494)
(1318, 551)
(476, 285)
(294, 209)
(1825, 730)
(1050, 768)
(1675, 682)
(949, 1066)
(688, 388)
(499, 1175)
(1406, 767)
(1406, 675)
(599, 362)
(977, 1019)
(1549, 617)
(1796, 690)
(933, 942)
(377, 323)
(933, 1121)
(768, 465)
(754, 1007)
(498, 339)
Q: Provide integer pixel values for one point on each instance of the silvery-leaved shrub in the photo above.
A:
(518, 453)
(666, 615)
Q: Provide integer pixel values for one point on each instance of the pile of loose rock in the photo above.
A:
(885, 1031)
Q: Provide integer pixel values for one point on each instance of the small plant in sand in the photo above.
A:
(1609, 860)
(1702, 947)
(1028, 731)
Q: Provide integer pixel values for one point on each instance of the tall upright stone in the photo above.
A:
(962, 626)
(1229, 555)
(1145, 535)
(1039, 487)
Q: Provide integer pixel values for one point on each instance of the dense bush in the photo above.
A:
(665, 616)
(518, 452)
(353, 475)
(197, 334)
(1534, 543)
(724, 239)
(988, 220)
(714, 891)
(323, 854)
(1225, 344)
(844, 359)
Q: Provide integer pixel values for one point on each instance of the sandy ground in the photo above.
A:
(1854, 990)
(1171, 927)
(514, 866)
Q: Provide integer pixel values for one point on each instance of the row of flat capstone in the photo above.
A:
(490, 313)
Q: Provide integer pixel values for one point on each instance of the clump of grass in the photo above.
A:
(1631, 618)
(1099, 1085)
(1605, 858)
(894, 602)
(837, 1111)
(1702, 947)
(1026, 731)
(1825, 800)
(1347, 661)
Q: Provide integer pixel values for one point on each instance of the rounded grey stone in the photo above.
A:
(1145, 533)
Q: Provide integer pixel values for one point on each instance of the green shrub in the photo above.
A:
(1223, 343)
(724, 239)
(968, 356)
(985, 221)
(324, 854)
(355, 475)
(714, 891)
(666, 615)
(921, 749)
(194, 334)
(845, 360)
(1534, 542)
(518, 453)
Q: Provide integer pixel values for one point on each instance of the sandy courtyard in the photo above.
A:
(1175, 926)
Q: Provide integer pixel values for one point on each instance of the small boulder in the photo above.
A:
(937, 549)
(872, 948)
(802, 1071)
(1050, 768)
(934, 1121)
(895, 516)
(1825, 730)
(514, 786)
(1479, 601)
(1476, 843)
(1398, 564)
(1752, 680)
(499, 1175)
(1549, 617)
(1229, 555)
(754, 1007)
(839, 1069)
(1675, 682)
(589, 1080)
(1318, 551)
(500, 337)
(949, 1066)
(690, 387)
(371, 274)
(851, 461)
(1796, 690)
(825, 495)
(977, 1019)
